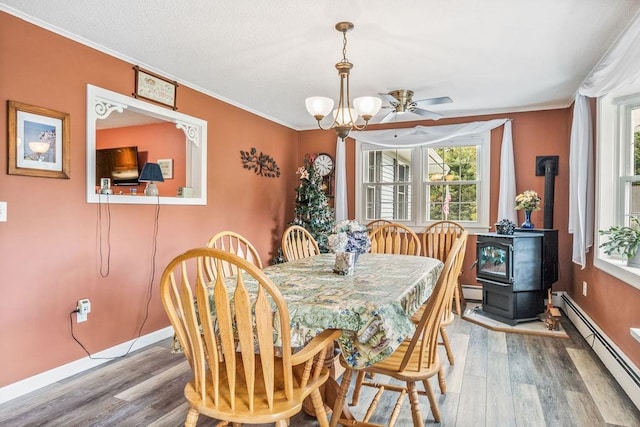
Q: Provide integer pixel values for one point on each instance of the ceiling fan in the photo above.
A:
(401, 102)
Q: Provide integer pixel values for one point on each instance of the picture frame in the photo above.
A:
(166, 166)
(155, 88)
(38, 140)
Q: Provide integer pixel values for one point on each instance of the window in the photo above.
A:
(630, 161)
(618, 174)
(419, 185)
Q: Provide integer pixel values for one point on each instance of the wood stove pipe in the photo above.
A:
(548, 166)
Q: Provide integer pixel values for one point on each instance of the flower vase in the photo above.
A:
(527, 220)
(345, 263)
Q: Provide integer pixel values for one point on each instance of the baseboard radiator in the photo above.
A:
(623, 370)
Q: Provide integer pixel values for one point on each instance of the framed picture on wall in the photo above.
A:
(166, 166)
(38, 141)
(155, 88)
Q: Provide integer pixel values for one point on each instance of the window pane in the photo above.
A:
(632, 188)
(388, 166)
(452, 163)
(372, 212)
(388, 201)
(462, 202)
(635, 126)
(452, 171)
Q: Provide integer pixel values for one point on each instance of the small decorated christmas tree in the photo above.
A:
(312, 204)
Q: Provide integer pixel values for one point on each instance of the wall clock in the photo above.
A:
(323, 164)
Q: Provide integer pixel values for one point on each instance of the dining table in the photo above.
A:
(371, 307)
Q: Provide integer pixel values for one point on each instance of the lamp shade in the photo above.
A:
(367, 106)
(319, 105)
(151, 172)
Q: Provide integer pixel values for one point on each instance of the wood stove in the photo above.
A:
(515, 271)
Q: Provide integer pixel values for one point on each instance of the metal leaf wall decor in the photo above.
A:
(261, 164)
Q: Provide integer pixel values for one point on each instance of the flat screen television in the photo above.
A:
(119, 164)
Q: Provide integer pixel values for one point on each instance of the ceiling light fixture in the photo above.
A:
(344, 117)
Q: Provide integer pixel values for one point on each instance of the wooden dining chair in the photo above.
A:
(447, 316)
(415, 360)
(437, 240)
(298, 243)
(235, 243)
(394, 238)
(239, 376)
(372, 225)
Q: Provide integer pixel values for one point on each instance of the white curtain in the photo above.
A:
(417, 136)
(340, 193)
(507, 194)
(618, 67)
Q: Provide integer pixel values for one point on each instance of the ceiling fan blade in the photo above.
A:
(427, 114)
(389, 117)
(434, 101)
(387, 97)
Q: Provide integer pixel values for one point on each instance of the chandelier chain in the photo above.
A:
(344, 46)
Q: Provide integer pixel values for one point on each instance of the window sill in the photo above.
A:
(635, 332)
(472, 229)
(144, 200)
(618, 269)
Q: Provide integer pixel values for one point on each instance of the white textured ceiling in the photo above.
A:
(491, 56)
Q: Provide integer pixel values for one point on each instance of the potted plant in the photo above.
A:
(623, 240)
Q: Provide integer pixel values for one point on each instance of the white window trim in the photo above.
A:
(608, 167)
(418, 223)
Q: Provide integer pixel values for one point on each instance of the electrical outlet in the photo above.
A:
(82, 309)
(584, 288)
(3, 211)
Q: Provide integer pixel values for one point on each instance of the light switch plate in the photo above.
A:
(3, 211)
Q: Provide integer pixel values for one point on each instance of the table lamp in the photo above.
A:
(151, 172)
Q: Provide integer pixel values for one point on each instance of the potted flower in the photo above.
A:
(527, 201)
(348, 240)
(623, 240)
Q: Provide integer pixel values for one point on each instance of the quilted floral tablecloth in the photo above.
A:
(372, 307)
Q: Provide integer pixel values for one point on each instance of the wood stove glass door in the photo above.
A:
(494, 261)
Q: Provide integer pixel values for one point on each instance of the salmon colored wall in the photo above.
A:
(534, 134)
(611, 303)
(154, 141)
(49, 249)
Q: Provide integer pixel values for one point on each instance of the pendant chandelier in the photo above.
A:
(344, 116)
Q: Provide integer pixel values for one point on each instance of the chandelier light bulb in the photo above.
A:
(344, 116)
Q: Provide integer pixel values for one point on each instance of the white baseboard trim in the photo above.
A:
(623, 370)
(36, 382)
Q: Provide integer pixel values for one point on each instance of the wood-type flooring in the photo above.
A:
(499, 379)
